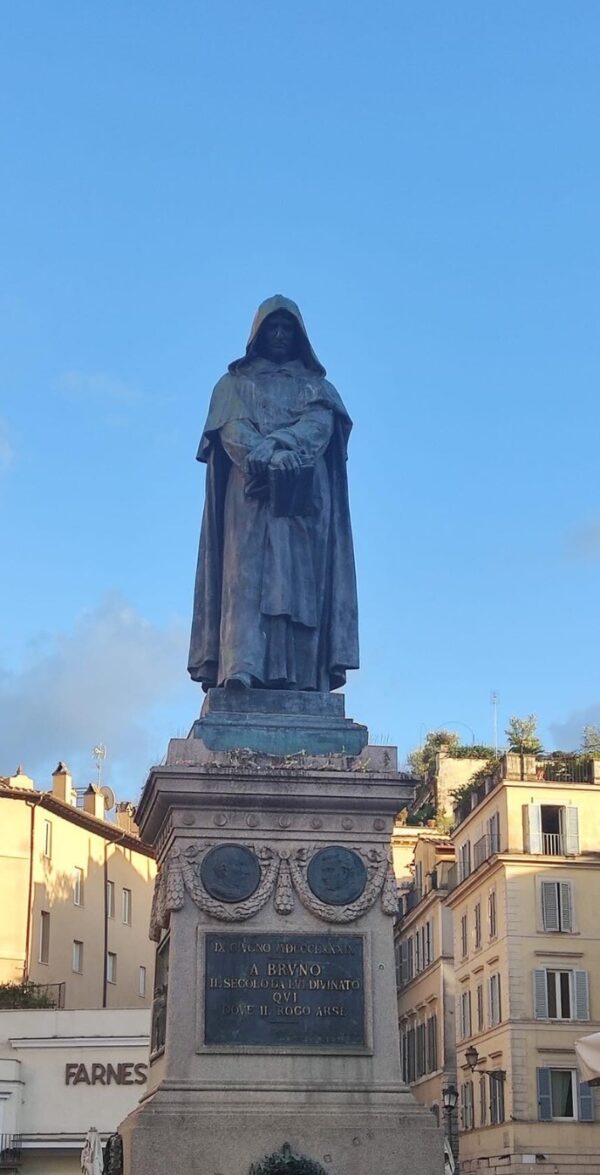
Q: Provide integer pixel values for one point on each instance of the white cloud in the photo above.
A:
(100, 682)
(7, 455)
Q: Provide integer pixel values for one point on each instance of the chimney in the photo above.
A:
(20, 780)
(126, 818)
(62, 784)
(94, 802)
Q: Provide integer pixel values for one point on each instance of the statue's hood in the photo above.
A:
(270, 306)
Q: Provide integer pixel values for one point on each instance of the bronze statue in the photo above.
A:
(275, 598)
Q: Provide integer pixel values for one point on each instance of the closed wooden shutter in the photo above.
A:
(550, 918)
(544, 1095)
(566, 905)
(540, 994)
(582, 996)
(585, 1101)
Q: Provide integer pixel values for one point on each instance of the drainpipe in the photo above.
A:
(105, 967)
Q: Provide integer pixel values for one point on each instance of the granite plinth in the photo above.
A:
(275, 1014)
(278, 722)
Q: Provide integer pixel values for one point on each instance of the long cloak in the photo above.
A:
(286, 584)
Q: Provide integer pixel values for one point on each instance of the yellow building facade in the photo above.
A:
(76, 891)
(425, 976)
(523, 898)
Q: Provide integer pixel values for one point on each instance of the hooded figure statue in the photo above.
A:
(275, 597)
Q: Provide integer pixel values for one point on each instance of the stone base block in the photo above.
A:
(339, 1133)
(278, 722)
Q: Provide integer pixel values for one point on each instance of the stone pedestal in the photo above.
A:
(275, 1041)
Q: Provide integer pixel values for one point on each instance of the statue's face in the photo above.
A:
(277, 339)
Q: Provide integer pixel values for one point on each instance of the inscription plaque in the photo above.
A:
(284, 989)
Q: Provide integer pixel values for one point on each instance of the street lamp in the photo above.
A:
(473, 1060)
(450, 1100)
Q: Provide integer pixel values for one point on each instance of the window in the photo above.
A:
(493, 832)
(419, 878)
(44, 951)
(482, 1100)
(492, 921)
(480, 1007)
(561, 995)
(427, 952)
(467, 1105)
(77, 957)
(111, 967)
(495, 1002)
(478, 925)
(77, 886)
(496, 1100)
(142, 982)
(408, 1055)
(464, 936)
(550, 829)
(110, 899)
(47, 839)
(465, 860)
(422, 947)
(409, 959)
(465, 1014)
(432, 1063)
(562, 1096)
(421, 1053)
(127, 907)
(557, 906)
(398, 962)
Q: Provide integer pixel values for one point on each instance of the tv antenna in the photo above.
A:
(99, 754)
(494, 704)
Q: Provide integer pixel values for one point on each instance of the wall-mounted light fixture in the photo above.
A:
(473, 1060)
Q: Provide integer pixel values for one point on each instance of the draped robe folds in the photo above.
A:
(275, 597)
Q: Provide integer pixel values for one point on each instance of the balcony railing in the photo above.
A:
(411, 899)
(10, 1150)
(553, 844)
(485, 847)
(32, 995)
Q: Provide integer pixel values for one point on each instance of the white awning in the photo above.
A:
(587, 1050)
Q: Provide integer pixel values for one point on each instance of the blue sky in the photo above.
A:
(424, 179)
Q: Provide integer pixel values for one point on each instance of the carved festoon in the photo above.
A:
(281, 872)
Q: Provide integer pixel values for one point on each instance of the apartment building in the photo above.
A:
(523, 896)
(76, 891)
(425, 977)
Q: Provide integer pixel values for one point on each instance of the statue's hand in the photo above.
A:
(258, 458)
(286, 459)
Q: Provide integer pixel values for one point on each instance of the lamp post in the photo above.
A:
(450, 1100)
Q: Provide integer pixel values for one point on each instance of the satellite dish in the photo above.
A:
(109, 797)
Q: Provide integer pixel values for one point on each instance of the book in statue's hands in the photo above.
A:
(291, 491)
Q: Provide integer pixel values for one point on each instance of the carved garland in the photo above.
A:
(377, 864)
(280, 871)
